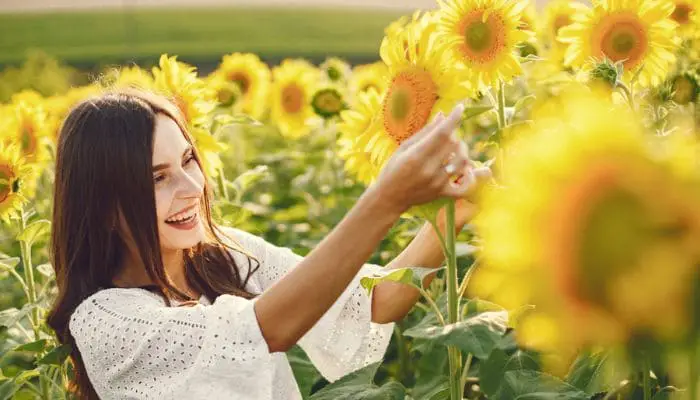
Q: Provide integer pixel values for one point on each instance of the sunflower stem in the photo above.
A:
(454, 354)
(501, 105)
(694, 371)
(26, 254)
(646, 382)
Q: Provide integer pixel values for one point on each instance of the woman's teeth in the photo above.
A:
(182, 218)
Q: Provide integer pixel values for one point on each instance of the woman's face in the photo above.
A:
(179, 187)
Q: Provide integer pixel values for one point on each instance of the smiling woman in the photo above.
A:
(157, 301)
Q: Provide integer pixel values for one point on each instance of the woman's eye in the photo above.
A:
(158, 178)
(189, 159)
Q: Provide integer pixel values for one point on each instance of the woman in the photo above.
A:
(158, 302)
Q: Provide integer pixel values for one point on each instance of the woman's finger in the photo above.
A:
(432, 141)
(439, 117)
(460, 187)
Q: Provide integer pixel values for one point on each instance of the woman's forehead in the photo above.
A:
(168, 140)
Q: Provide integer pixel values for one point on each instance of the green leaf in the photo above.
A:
(9, 263)
(412, 276)
(9, 317)
(492, 370)
(304, 371)
(8, 388)
(534, 385)
(34, 347)
(46, 270)
(477, 306)
(25, 376)
(34, 231)
(473, 111)
(522, 102)
(56, 356)
(666, 393)
(586, 373)
(477, 335)
(358, 386)
(246, 180)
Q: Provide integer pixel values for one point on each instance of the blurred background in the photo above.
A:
(88, 35)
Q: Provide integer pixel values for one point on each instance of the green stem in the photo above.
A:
(501, 105)
(454, 354)
(26, 253)
(465, 373)
(694, 371)
(403, 354)
(221, 179)
(433, 305)
(646, 382)
(629, 95)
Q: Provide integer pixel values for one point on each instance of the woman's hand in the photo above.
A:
(422, 168)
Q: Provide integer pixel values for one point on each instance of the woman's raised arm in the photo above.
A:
(414, 175)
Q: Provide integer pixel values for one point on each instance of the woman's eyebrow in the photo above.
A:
(161, 166)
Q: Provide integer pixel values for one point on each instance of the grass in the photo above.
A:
(92, 38)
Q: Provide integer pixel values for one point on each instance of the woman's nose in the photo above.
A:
(190, 186)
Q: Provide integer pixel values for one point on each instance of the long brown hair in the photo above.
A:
(104, 164)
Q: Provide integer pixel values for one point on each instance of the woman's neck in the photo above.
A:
(132, 272)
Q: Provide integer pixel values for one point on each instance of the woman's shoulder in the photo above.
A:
(115, 302)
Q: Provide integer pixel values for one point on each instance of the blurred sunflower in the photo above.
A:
(687, 14)
(27, 126)
(196, 102)
(356, 130)
(557, 14)
(328, 102)
(294, 83)
(368, 76)
(638, 33)
(528, 18)
(252, 77)
(335, 70)
(590, 220)
(29, 97)
(484, 35)
(57, 107)
(132, 76)
(13, 173)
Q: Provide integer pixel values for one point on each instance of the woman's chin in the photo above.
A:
(184, 238)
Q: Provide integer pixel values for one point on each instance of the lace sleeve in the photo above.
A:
(344, 339)
(133, 346)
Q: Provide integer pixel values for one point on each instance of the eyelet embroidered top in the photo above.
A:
(135, 347)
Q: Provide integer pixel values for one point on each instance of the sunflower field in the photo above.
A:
(579, 277)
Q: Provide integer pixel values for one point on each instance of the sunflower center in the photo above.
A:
(622, 37)
(28, 139)
(408, 103)
(242, 79)
(485, 39)
(292, 98)
(8, 185)
(681, 13)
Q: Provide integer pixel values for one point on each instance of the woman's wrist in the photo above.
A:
(375, 201)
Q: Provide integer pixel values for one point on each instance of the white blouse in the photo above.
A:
(135, 347)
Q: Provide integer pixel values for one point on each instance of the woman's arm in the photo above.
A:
(414, 175)
(391, 301)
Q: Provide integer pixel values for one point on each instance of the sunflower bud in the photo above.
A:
(685, 88)
(328, 103)
(607, 72)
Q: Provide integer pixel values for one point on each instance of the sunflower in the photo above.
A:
(687, 14)
(484, 35)
(638, 33)
(27, 126)
(419, 86)
(133, 76)
(335, 70)
(588, 221)
(252, 77)
(328, 102)
(294, 83)
(196, 102)
(557, 14)
(356, 130)
(368, 76)
(528, 18)
(418, 83)
(13, 174)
